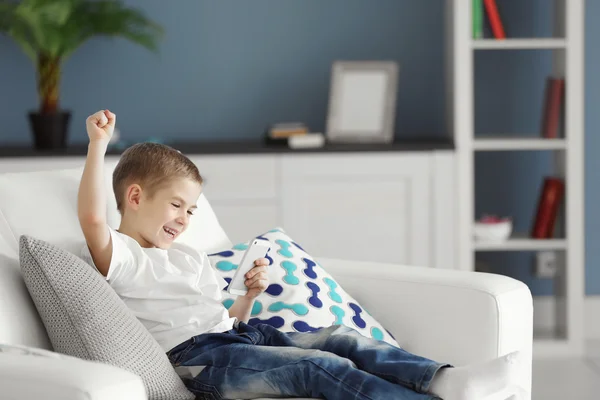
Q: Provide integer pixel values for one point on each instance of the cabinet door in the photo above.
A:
(370, 207)
(243, 192)
(245, 220)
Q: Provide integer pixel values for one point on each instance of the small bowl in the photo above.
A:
(492, 231)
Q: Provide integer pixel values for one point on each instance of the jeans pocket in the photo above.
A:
(177, 354)
(250, 336)
(204, 391)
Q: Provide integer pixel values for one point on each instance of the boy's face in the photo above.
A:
(164, 216)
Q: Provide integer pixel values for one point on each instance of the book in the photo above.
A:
(308, 141)
(549, 201)
(553, 107)
(494, 19)
(477, 19)
(285, 130)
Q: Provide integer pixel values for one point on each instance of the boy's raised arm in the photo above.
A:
(91, 200)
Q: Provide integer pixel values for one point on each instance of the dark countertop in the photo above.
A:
(243, 147)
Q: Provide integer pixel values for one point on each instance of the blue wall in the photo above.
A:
(227, 69)
(592, 144)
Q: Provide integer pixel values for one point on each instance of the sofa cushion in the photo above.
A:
(85, 318)
(43, 204)
(32, 373)
(301, 296)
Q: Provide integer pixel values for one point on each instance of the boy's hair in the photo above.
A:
(151, 165)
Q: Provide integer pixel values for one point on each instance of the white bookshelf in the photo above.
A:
(567, 48)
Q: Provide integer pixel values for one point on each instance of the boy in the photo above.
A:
(173, 290)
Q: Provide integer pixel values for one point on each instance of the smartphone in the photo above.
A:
(257, 249)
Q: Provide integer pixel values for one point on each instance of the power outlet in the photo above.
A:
(545, 264)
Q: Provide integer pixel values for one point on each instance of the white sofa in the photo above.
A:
(450, 316)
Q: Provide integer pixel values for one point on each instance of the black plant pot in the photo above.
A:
(50, 130)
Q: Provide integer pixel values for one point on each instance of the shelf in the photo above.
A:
(242, 146)
(516, 44)
(500, 143)
(557, 40)
(521, 244)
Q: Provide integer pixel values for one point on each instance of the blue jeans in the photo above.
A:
(335, 362)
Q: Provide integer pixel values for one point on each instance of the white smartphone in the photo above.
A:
(257, 249)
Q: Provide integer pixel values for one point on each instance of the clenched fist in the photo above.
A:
(100, 126)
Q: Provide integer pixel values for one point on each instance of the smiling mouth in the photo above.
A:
(171, 233)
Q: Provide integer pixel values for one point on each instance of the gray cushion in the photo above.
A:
(85, 318)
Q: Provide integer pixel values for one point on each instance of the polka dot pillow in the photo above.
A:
(301, 296)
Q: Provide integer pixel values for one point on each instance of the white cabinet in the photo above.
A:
(238, 177)
(362, 207)
(390, 206)
(380, 206)
(244, 220)
(243, 190)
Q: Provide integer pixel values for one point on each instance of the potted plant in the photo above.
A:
(49, 31)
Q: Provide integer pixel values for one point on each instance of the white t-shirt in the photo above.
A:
(174, 293)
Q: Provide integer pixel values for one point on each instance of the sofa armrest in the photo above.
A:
(25, 377)
(450, 316)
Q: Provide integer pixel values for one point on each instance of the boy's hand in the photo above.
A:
(100, 126)
(257, 279)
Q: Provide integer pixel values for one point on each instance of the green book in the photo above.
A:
(477, 19)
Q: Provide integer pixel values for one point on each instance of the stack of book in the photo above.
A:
(293, 134)
(286, 130)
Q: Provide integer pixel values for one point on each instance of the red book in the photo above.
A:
(547, 209)
(553, 107)
(491, 9)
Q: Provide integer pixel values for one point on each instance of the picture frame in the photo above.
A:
(362, 101)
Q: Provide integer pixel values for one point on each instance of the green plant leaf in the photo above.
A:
(54, 29)
(17, 28)
(54, 12)
(25, 45)
(32, 26)
(132, 24)
(7, 11)
(58, 27)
